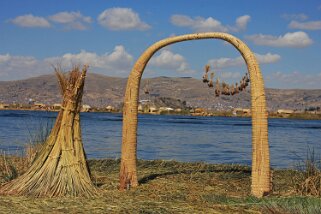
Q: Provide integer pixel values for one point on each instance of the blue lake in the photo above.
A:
(182, 138)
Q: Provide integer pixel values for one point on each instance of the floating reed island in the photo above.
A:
(60, 169)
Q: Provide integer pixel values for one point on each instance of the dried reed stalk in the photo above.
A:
(260, 148)
(60, 169)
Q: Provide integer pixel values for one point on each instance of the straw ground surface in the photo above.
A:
(169, 187)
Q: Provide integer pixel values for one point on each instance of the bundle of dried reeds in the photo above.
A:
(146, 88)
(217, 88)
(211, 84)
(60, 168)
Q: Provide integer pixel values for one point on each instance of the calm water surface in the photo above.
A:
(182, 138)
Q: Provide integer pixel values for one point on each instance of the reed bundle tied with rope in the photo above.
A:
(60, 168)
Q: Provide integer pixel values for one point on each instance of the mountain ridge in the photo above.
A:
(101, 90)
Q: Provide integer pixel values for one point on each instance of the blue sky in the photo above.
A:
(110, 35)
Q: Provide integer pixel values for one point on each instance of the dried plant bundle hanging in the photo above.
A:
(60, 168)
(236, 88)
(225, 89)
(232, 90)
(210, 84)
(205, 76)
(217, 88)
(146, 88)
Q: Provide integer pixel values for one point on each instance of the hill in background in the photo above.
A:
(101, 91)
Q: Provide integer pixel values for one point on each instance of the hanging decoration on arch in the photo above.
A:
(225, 88)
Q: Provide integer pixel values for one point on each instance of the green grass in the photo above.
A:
(292, 205)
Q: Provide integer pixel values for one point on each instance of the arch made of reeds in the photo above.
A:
(260, 180)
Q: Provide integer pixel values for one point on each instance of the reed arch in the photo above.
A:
(260, 181)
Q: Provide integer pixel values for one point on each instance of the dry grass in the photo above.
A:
(165, 187)
(308, 182)
(12, 166)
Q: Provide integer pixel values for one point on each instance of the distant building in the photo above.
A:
(162, 109)
(143, 102)
(153, 109)
(140, 108)
(56, 106)
(285, 111)
(39, 105)
(178, 110)
(31, 101)
(85, 108)
(241, 111)
(199, 110)
(4, 106)
(110, 108)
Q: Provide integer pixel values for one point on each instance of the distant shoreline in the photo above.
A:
(300, 116)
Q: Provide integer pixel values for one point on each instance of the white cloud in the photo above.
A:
(295, 40)
(226, 62)
(121, 19)
(168, 60)
(239, 61)
(73, 20)
(298, 16)
(4, 58)
(17, 61)
(295, 79)
(230, 75)
(17, 67)
(311, 25)
(118, 62)
(201, 24)
(30, 20)
(241, 22)
(267, 58)
(182, 21)
(198, 24)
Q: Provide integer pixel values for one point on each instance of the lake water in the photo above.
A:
(182, 138)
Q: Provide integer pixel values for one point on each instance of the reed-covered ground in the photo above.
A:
(169, 187)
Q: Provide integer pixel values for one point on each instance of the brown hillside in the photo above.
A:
(102, 90)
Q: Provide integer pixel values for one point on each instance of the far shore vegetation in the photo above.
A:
(307, 114)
